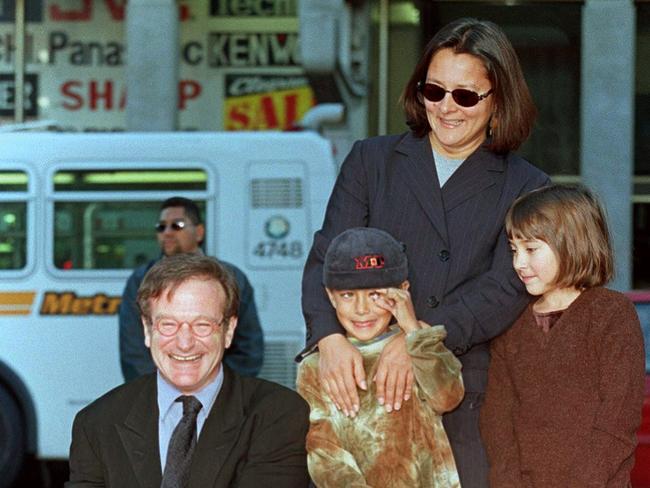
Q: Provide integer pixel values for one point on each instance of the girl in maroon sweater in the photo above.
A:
(566, 381)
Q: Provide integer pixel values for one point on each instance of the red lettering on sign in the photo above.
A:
(85, 12)
(269, 112)
(93, 95)
(75, 100)
(82, 14)
(187, 90)
(97, 93)
(184, 12)
(279, 109)
(290, 110)
(115, 8)
(236, 116)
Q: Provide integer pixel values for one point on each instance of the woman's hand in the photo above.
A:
(394, 378)
(341, 371)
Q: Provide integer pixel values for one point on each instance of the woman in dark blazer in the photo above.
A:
(443, 189)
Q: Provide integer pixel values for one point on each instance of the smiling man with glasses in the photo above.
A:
(179, 230)
(195, 422)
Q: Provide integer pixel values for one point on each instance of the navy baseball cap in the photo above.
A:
(364, 257)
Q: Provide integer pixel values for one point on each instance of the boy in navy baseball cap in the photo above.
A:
(365, 275)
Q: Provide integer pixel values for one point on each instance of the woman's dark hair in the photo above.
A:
(515, 110)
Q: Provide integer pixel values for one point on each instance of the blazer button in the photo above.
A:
(443, 255)
(432, 302)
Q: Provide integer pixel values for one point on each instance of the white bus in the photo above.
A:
(76, 216)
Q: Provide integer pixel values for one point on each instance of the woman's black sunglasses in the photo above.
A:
(463, 97)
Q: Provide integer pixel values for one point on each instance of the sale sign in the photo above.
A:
(262, 102)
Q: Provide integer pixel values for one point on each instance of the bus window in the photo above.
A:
(104, 235)
(13, 243)
(98, 233)
(130, 180)
(13, 221)
(13, 181)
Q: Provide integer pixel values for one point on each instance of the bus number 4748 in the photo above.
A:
(269, 249)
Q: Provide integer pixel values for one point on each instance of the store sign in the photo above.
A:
(61, 10)
(8, 94)
(253, 8)
(80, 52)
(265, 102)
(252, 49)
(75, 56)
(243, 49)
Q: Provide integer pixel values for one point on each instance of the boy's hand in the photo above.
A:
(341, 371)
(398, 302)
(394, 378)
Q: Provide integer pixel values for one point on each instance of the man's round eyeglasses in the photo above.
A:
(200, 328)
(464, 98)
(175, 225)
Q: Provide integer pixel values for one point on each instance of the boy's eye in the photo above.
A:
(374, 295)
(346, 294)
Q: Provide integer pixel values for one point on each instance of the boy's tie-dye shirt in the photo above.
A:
(405, 448)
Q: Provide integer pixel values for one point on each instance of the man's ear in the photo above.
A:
(200, 233)
(405, 285)
(147, 331)
(230, 331)
(330, 295)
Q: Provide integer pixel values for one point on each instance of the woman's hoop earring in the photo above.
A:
(489, 126)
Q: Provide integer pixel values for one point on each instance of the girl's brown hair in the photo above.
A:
(515, 111)
(572, 222)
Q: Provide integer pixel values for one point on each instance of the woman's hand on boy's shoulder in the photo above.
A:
(394, 377)
(341, 370)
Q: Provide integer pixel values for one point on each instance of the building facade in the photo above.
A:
(211, 65)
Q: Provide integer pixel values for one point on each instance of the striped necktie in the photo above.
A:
(181, 445)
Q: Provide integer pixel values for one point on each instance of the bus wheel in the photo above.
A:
(12, 439)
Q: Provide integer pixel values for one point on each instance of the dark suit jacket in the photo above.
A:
(254, 436)
(460, 267)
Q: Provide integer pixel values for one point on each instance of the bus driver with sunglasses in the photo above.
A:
(443, 189)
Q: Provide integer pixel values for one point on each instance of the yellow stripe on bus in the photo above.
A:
(17, 298)
(13, 311)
